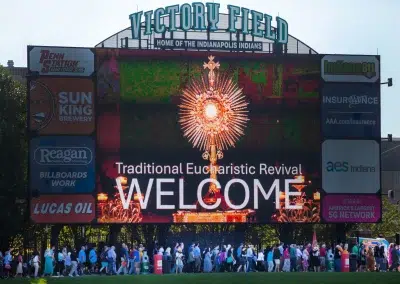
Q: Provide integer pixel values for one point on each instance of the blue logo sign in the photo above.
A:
(62, 164)
(337, 166)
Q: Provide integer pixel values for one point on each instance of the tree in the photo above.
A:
(13, 157)
(390, 224)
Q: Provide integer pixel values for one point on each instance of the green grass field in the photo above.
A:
(223, 278)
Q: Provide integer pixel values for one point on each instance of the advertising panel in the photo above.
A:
(61, 106)
(61, 61)
(350, 166)
(351, 110)
(350, 68)
(351, 208)
(203, 137)
(63, 209)
(62, 164)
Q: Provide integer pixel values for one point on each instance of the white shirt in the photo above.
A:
(178, 258)
(298, 253)
(315, 253)
(35, 259)
(249, 252)
(260, 256)
(305, 254)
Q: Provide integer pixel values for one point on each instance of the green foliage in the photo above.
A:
(265, 235)
(390, 224)
(13, 156)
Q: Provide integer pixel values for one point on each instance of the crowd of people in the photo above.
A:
(194, 259)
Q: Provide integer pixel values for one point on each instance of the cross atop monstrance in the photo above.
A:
(213, 115)
(211, 65)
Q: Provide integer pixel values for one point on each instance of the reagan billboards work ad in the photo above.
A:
(65, 168)
(207, 137)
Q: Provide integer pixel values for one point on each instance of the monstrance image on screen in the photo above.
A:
(213, 114)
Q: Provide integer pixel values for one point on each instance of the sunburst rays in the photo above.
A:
(213, 111)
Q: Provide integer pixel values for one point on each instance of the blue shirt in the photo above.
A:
(136, 254)
(92, 256)
(82, 256)
(270, 256)
(110, 254)
(7, 259)
(196, 252)
(68, 260)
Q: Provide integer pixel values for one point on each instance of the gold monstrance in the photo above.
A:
(213, 115)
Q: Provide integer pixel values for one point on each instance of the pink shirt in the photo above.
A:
(286, 254)
(322, 252)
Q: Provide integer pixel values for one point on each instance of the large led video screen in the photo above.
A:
(207, 137)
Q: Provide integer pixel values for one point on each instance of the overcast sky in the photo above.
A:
(328, 26)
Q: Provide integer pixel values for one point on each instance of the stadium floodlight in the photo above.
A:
(389, 82)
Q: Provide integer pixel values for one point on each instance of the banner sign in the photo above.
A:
(350, 166)
(351, 111)
(208, 44)
(61, 106)
(206, 17)
(351, 208)
(63, 209)
(350, 68)
(62, 164)
(61, 61)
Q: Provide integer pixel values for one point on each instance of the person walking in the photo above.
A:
(277, 259)
(230, 260)
(286, 260)
(48, 262)
(19, 270)
(293, 258)
(207, 268)
(370, 260)
(35, 262)
(60, 263)
(82, 260)
(74, 264)
(111, 258)
(92, 259)
(322, 257)
(197, 258)
(315, 260)
(395, 259)
(305, 257)
(103, 259)
(270, 260)
(250, 257)
(179, 260)
(131, 260)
